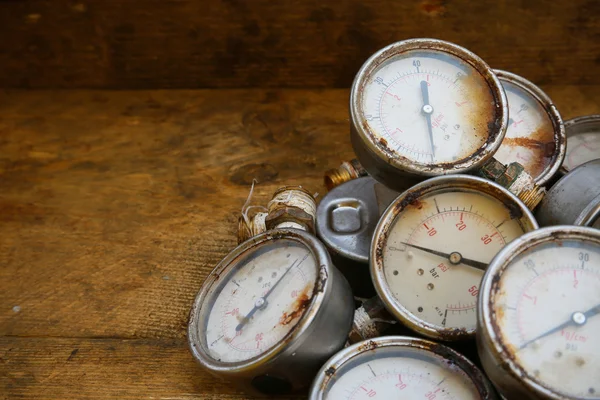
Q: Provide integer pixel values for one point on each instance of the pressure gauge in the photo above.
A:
(535, 137)
(583, 138)
(538, 315)
(432, 245)
(271, 312)
(425, 107)
(574, 199)
(400, 367)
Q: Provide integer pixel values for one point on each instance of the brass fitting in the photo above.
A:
(345, 172)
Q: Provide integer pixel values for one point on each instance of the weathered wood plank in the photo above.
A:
(114, 206)
(231, 43)
(50, 368)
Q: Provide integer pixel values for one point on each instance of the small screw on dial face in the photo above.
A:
(546, 310)
(261, 301)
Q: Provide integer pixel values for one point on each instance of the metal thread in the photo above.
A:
(348, 170)
(532, 197)
(292, 207)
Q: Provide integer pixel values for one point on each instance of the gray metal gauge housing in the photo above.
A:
(291, 363)
(574, 199)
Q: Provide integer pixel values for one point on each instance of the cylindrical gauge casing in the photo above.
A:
(346, 219)
(574, 199)
(574, 127)
(498, 360)
(394, 170)
(291, 363)
(322, 381)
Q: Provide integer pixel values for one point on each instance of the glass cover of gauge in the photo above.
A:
(535, 136)
(402, 368)
(546, 314)
(427, 105)
(259, 300)
(428, 256)
(583, 139)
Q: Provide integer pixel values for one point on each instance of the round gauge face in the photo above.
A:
(259, 301)
(400, 373)
(435, 254)
(581, 148)
(529, 138)
(546, 313)
(430, 107)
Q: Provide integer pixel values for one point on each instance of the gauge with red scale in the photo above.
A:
(432, 246)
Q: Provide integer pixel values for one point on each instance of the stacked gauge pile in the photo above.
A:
(425, 264)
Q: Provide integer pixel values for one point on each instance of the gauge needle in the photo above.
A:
(262, 301)
(577, 318)
(428, 110)
(455, 257)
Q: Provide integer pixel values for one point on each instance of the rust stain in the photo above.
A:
(383, 142)
(366, 346)
(432, 8)
(298, 307)
(541, 142)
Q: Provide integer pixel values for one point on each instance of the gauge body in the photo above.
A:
(271, 312)
(346, 219)
(535, 137)
(400, 367)
(538, 315)
(583, 140)
(425, 107)
(574, 199)
(431, 246)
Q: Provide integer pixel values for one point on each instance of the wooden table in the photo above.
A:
(114, 206)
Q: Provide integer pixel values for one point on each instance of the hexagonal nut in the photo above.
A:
(290, 214)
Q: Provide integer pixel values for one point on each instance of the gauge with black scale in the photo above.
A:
(400, 367)
(535, 137)
(432, 245)
(583, 140)
(539, 315)
(425, 107)
(271, 312)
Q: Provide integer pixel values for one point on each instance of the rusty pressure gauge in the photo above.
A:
(271, 312)
(400, 367)
(425, 107)
(432, 245)
(535, 137)
(539, 316)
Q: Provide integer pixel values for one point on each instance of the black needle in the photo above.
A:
(577, 318)
(454, 257)
(262, 301)
(427, 110)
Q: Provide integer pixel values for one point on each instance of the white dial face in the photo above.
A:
(529, 137)
(547, 313)
(404, 373)
(262, 301)
(581, 148)
(429, 107)
(437, 251)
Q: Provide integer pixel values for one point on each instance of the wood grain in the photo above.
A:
(151, 44)
(115, 205)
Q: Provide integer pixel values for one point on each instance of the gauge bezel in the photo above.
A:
(322, 380)
(198, 312)
(575, 126)
(387, 220)
(401, 164)
(560, 137)
(496, 357)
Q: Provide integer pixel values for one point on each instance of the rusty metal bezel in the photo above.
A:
(401, 163)
(321, 382)
(575, 126)
(487, 332)
(388, 219)
(197, 342)
(560, 137)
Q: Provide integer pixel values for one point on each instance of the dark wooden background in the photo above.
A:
(149, 44)
(116, 203)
